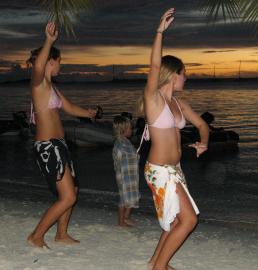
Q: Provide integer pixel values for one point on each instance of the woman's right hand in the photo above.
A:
(200, 148)
(51, 32)
(166, 20)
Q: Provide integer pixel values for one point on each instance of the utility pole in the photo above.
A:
(239, 70)
(214, 71)
(113, 72)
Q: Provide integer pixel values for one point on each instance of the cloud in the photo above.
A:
(97, 68)
(14, 34)
(193, 64)
(119, 23)
(131, 23)
(248, 61)
(218, 51)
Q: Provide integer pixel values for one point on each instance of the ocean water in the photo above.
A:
(234, 105)
(224, 186)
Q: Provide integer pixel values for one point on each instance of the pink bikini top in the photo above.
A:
(54, 102)
(165, 120)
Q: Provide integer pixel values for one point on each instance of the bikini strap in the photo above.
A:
(145, 136)
(178, 106)
(163, 97)
(54, 89)
(32, 115)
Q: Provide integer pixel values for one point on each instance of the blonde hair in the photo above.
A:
(120, 124)
(169, 65)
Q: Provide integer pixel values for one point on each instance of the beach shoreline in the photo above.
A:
(101, 199)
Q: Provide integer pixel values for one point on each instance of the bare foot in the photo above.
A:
(171, 268)
(150, 266)
(67, 239)
(129, 222)
(39, 243)
(124, 225)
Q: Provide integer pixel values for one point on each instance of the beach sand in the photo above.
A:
(105, 246)
(225, 239)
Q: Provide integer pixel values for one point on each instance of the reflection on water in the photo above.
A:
(235, 107)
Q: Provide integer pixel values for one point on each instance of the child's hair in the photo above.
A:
(120, 124)
(54, 53)
(127, 115)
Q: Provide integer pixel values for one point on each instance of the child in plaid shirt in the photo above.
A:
(126, 169)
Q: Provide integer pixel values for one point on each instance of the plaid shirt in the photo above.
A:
(127, 172)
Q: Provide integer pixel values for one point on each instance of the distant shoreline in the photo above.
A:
(143, 81)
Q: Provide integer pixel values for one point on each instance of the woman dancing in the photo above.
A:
(166, 115)
(52, 154)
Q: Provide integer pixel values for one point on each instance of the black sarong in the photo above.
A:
(52, 157)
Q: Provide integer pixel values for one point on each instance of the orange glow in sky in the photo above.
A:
(224, 62)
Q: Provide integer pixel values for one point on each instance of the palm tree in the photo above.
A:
(63, 12)
(246, 10)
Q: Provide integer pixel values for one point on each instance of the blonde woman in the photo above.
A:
(52, 154)
(166, 115)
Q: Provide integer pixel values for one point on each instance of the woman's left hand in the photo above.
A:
(200, 148)
(51, 32)
(92, 113)
(166, 20)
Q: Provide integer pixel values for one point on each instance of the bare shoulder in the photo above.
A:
(184, 104)
(39, 89)
(151, 98)
(153, 105)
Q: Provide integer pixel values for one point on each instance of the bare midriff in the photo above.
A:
(49, 125)
(165, 146)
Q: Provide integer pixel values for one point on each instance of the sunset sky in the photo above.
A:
(120, 33)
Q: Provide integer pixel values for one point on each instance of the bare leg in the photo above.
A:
(66, 199)
(127, 213)
(127, 219)
(62, 226)
(162, 239)
(187, 220)
(121, 216)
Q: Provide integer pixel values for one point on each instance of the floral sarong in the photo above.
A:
(162, 181)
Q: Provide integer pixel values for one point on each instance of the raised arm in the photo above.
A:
(200, 124)
(42, 58)
(156, 54)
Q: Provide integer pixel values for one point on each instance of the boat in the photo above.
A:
(221, 141)
(99, 133)
(8, 127)
(87, 133)
(18, 126)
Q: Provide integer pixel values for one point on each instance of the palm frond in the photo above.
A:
(249, 9)
(228, 9)
(64, 12)
(246, 10)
